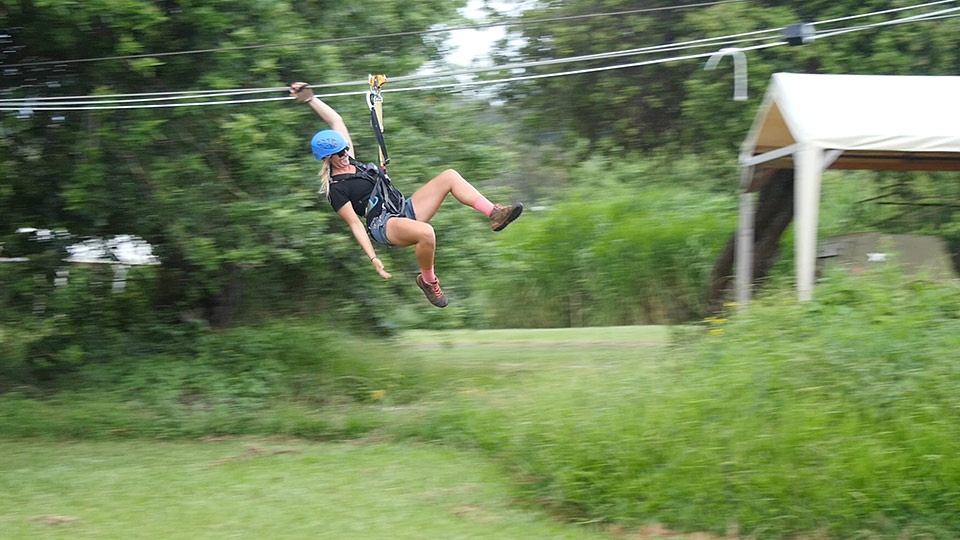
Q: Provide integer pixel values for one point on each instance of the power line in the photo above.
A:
(61, 105)
(658, 48)
(581, 71)
(884, 12)
(164, 96)
(371, 37)
(670, 47)
(398, 90)
(933, 15)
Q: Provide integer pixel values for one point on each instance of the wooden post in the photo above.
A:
(745, 236)
(808, 168)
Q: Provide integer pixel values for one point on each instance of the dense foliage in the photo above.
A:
(226, 193)
(217, 190)
(663, 104)
(625, 246)
(836, 418)
(830, 419)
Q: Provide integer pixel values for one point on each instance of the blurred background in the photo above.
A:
(164, 128)
(169, 275)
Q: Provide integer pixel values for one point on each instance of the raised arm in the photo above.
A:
(302, 92)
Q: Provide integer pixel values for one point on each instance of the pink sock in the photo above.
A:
(483, 206)
(428, 275)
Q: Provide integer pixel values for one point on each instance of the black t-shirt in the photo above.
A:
(357, 188)
(350, 188)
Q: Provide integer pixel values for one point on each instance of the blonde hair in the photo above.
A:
(324, 175)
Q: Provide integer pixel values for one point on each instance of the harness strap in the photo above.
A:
(375, 102)
(383, 191)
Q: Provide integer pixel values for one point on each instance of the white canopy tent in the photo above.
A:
(811, 123)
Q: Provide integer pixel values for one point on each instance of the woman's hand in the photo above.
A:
(301, 91)
(378, 264)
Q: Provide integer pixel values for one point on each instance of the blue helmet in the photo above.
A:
(327, 142)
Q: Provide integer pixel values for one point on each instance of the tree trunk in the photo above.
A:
(227, 302)
(774, 214)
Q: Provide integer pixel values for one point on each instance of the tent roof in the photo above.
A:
(877, 121)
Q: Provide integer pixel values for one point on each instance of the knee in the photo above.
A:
(451, 175)
(427, 236)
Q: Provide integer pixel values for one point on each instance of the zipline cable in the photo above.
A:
(884, 12)
(436, 31)
(168, 96)
(628, 52)
(32, 104)
(704, 42)
(411, 89)
(913, 18)
(374, 36)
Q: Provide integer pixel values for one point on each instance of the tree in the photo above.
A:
(668, 104)
(217, 189)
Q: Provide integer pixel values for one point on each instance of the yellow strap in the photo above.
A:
(376, 82)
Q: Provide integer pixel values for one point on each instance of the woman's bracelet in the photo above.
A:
(374, 257)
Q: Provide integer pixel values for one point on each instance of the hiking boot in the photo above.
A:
(433, 292)
(503, 215)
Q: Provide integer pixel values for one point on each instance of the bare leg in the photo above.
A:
(427, 199)
(407, 232)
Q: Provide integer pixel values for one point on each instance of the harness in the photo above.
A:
(384, 194)
(384, 198)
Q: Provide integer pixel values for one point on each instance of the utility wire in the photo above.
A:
(913, 18)
(169, 96)
(441, 30)
(31, 105)
(670, 47)
(200, 93)
(706, 42)
(437, 31)
(580, 71)
(884, 12)
(374, 36)
(658, 48)
(925, 17)
(405, 89)
(941, 17)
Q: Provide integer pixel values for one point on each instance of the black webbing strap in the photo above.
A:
(378, 131)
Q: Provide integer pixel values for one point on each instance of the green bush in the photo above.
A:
(836, 417)
(629, 256)
(289, 377)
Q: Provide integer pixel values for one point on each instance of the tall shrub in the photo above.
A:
(615, 253)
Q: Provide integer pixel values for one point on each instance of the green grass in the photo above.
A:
(260, 488)
(117, 488)
(545, 337)
(836, 418)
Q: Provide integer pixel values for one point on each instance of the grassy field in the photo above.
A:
(544, 337)
(832, 419)
(259, 488)
(268, 487)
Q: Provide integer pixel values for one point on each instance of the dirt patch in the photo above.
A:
(431, 346)
(254, 451)
(55, 520)
(474, 512)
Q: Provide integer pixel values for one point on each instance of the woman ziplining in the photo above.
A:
(392, 220)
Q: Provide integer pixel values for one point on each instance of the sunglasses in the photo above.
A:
(342, 152)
